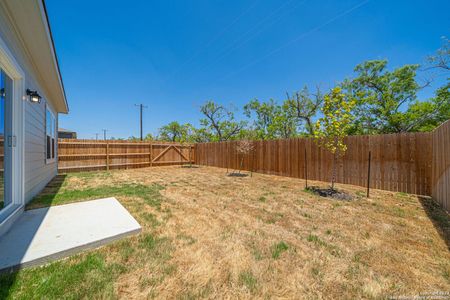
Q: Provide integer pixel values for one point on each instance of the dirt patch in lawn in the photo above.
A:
(330, 193)
(209, 235)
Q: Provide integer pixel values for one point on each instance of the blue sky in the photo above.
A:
(174, 55)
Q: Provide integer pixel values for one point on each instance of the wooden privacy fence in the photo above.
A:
(89, 155)
(399, 162)
(416, 163)
(440, 189)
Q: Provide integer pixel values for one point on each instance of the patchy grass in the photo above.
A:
(79, 277)
(188, 240)
(248, 280)
(315, 239)
(149, 193)
(151, 219)
(262, 199)
(208, 235)
(279, 248)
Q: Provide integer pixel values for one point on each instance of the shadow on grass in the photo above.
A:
(190, 166)
(149, 193)
(14, 282)
(9, 275)
(329, 193)
(438, 216)
(50, 190)
(235, 174)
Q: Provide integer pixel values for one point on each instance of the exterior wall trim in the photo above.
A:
(9, 64)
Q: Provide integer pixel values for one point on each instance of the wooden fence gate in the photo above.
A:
(90, 155)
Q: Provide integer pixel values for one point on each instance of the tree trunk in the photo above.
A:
(333, 177)
(310, 126)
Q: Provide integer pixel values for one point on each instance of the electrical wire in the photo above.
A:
(296, 39)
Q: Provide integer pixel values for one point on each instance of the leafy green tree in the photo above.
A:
(149, 137)
(427, 115)
(264, 114)
(304, 106)
(200, 135)
(270, 119)
(387, 101)
(332, 128)
(285, 123)
(247, 134)
(219, 123)
(382, 97)
(174, 132)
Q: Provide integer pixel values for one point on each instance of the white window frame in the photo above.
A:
(53, 146)
(10, 66)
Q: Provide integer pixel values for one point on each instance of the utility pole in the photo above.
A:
(96, 136)
(141, 108)
(104, 133)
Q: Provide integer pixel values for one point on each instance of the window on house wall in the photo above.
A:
(50, 135)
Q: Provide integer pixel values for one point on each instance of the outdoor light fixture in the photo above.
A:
(34, 96)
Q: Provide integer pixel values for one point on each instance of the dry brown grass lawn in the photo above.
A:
(264, 236)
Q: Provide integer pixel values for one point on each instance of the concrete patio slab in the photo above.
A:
(42, 235)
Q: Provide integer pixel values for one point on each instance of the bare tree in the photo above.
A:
(244, 148)
(220, 121)
(304, 105)
(441, 60)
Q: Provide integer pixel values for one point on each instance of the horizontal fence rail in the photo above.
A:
(399, 162)
(88, 155)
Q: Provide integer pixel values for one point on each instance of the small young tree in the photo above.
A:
(243, 148)
(332, 128)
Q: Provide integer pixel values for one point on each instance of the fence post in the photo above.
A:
(253, 158)
(368, 175)
(190, 160)
(107, 155)
(228, 154)
(306, 170)
(151, 154)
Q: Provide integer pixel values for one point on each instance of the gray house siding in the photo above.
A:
(37, 173)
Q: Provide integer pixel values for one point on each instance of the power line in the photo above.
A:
(259, 27)
(141, 108)
(211, 41)
(303, 35)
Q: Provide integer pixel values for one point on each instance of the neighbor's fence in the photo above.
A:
(90, 155)
(441, 165)
(399, 162)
